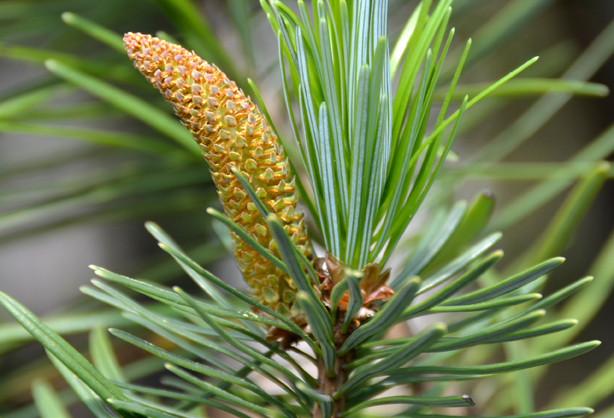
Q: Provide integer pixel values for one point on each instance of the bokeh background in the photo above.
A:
(66, 202)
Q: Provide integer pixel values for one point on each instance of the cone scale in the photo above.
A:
(231, 131)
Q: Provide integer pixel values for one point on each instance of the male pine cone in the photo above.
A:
(230, 131)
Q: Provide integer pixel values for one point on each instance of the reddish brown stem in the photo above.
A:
(329, 386)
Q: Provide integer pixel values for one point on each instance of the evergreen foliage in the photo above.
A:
(371, 153)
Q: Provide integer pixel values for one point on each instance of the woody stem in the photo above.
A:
(330, 385)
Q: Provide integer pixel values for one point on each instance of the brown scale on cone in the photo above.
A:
(231, 131)
(372, 286)
(330, 272)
